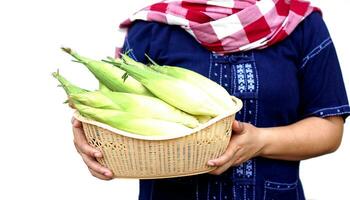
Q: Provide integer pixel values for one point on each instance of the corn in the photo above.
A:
(211, 88)
(68, 87)
(95, 99)
(203, 118)
(178, 93)
(110, 76)
(214, 90)
(132, 123)
(139, 105)
(103, 88)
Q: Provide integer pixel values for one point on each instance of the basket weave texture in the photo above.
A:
(142, 157)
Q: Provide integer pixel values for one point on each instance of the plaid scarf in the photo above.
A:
(226, 26)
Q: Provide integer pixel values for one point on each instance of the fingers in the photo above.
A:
(236, 160)
(229, 157)
(221, 169)
(226, 157)
(76, 123)
(96, 168)
(81, 144)
(88, 153)
(239, 150)
(99, 176)
(237, 127)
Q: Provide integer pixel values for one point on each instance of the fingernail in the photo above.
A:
(75, 123)
(211, 163)
(97, 154)
(238, 124)
(107, 174)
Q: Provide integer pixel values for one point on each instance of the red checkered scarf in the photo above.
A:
(225, 26)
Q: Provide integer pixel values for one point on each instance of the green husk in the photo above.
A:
(68, 87)
(132, 123)
(203, 118)
(211, 88)
(103, 88)
(142, 106)
(176, 92)
(109, 75)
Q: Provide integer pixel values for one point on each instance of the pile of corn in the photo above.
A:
(146, 99)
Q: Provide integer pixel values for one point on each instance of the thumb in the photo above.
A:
(237, 127)
(76, 123)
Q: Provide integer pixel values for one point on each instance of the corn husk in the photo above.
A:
(110, 76)
(132, 123)
(176, 92)
(142, 106)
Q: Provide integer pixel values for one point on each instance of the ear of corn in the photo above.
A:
(152, 107)
(68, 87)
(203, 118)
(95, 99)
(176, 92)
(147, 100)
(211, 88)
(132, 123)
(110, 76)
(142, 106)
(103, 88)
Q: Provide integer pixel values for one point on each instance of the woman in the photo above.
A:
(277, 56)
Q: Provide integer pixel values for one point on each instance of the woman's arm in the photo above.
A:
(304, 139)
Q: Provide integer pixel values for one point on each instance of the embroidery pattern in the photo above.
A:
(237, 74)
(245, 77)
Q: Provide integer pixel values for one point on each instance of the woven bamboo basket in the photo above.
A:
(145, 157)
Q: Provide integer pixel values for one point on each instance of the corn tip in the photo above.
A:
(67, 50)
(151, 60)
(110, 58)
(56, 73)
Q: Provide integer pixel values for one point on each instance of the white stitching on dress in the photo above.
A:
(234, 192)
(208, 190)
(315, 51)
(220, 190)
(257, 92)
(210, 64)
(336, 114)
(233, 79)
(221, 74)
(325, 109)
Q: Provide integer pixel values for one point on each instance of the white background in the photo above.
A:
(38, 156)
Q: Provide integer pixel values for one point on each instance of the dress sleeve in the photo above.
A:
(322, 89)
(138, 40)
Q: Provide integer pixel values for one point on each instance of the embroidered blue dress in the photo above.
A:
(296, 78)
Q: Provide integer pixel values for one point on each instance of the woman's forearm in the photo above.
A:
(305, 139)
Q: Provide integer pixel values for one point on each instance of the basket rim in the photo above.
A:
(83, 119)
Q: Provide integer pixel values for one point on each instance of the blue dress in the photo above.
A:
(294, 79)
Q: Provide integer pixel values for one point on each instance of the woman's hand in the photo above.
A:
(307, 138)
(88, 153)
(245, 143)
